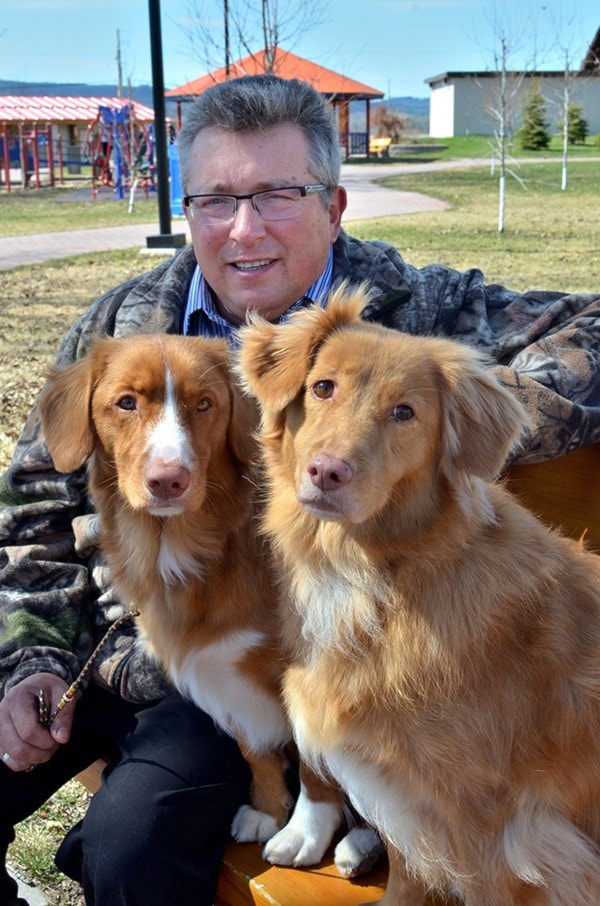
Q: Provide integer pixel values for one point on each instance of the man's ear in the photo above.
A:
(483, 421)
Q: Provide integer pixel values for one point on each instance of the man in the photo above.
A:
(260, 169)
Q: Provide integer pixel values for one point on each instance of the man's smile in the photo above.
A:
(252, 265)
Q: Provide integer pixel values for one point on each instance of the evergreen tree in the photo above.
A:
(534, 134)
(576, 125)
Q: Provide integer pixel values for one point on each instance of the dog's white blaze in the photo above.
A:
(211, 678)
(168, 439)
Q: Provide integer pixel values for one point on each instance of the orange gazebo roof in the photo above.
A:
(288, 66)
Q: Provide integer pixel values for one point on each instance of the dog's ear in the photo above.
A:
(64, 404)
(275, 359)
(483, 421)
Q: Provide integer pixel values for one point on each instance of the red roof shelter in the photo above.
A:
(338, 89)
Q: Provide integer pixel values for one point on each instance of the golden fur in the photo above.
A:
(444, 644)
(176, 508)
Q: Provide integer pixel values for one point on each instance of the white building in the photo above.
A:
(461, 103)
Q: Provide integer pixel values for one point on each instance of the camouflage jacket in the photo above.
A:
(56, 600)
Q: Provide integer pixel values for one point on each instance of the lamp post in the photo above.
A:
(166, 239)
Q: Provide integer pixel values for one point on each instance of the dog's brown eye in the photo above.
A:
(127, 403)
(402, 413)
(204, 405)
(323, 390)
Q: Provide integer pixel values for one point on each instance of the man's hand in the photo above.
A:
(24, 741)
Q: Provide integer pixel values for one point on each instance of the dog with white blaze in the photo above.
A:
(172, 458)
(171, 450)
(442, 644)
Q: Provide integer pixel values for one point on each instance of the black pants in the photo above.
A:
(154, 833)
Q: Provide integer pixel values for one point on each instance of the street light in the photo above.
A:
(166, 239)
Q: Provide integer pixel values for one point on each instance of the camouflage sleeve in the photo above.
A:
(56, 600)
(44, 590)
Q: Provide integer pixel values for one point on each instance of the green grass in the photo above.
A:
(480, 146)
(38, 838)
(47, 210)
(551, 238)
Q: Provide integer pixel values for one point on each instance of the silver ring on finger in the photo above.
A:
(6, 758)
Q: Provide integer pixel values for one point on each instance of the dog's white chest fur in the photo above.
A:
(211, 677)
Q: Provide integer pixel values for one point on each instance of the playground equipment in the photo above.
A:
(34, 153)
(121, 151)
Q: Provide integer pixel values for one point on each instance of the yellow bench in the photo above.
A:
(379, 146)
(563, 492)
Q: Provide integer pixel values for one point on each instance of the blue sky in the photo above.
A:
(391, 45)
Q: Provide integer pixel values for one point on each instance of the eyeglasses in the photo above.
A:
(270, 204)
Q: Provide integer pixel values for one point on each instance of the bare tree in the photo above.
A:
(504, 104)
(246, 28)
(564, 33)
(388, 123)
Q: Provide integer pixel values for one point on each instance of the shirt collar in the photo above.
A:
(201, 317)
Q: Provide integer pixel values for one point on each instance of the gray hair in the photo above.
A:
(256, 103)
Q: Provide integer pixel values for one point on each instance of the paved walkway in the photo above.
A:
(365, 199)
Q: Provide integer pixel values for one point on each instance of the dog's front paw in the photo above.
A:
(293, 846)
(252, 826)
(358, 852)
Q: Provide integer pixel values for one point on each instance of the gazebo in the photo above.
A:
(339, 89)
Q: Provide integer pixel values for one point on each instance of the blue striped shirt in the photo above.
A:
(202, 318)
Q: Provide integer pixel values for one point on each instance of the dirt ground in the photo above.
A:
(38, 304)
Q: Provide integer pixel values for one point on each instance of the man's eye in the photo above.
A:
(212, 201)
(323, 390)
(127, 403)
(402, 413)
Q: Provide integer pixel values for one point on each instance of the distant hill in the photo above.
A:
(140, 93)
(416, 110)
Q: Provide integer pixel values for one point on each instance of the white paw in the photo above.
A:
(252, 826)
(358, 852)
(293, 846)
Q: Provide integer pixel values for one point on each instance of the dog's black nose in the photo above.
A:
(328, 472)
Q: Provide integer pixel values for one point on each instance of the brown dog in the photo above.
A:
(171, 446)
(444, 644)
(172, 455)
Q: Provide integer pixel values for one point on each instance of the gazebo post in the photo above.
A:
(50, 153)
(36, 155)
(6, 155)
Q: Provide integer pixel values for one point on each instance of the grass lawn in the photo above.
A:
(551, 238)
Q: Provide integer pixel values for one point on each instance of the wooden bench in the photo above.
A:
(379, 146)
(565, 492)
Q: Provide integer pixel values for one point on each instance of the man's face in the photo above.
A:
(250, 263)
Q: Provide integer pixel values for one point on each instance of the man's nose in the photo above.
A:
(247, 222)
